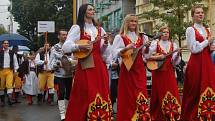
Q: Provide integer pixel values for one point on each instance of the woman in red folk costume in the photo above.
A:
(199, 86)
(132, 100)
(165, 101)
(89, 98)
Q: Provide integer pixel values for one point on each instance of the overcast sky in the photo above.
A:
(4, 14)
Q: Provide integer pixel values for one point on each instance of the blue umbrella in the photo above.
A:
(21, 48)
(14, 39)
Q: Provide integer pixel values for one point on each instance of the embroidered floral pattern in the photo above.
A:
(111, 109)
(99, 110)
(171, 107)
(142, 111)
(207, 105)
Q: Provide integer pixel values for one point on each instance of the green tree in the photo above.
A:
(173, 13)
(28, 12)
(2, 30)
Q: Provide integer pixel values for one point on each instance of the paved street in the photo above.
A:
(23, 112)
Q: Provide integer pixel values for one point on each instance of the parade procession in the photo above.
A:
(107, 60)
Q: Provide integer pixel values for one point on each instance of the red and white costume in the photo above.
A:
(165, 101)
(199, 86)
(132, 100)
(89, 99)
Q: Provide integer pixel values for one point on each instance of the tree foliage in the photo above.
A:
(28, 12)
(173, 13)
(2, 30)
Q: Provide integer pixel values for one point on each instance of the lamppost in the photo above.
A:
(11, 19)
(11, 24)
(74, 13)
(211, 24)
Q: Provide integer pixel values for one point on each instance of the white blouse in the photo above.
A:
(193, 45)
(111, 58)
(74, 35)
(41, 62)
(7, 60)
(165, 45)
(32, 64)
(118, 43)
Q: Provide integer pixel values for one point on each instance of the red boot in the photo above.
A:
(29, 99)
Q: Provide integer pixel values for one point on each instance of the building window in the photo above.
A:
(145, 1)
(117, 18)
(114, 20)
(110, 22)
(91, 1)
(146, 27)
(137, 2)
(137, 10)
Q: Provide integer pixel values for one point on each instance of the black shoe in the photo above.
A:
(51, 100)
(39, 99)
(63, 120)
(2, 104)
(16, 98)
(16, 101)
(10, 100)
(2, 98)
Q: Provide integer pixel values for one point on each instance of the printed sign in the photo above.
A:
(46, 26)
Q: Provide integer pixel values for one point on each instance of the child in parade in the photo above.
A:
(28, 72)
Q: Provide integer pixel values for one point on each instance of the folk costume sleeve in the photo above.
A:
(193, 45)
(144, 51)
(16, 65)
(175, 59)
(38, 61)
(118, 45)
(105, 51)
(152, 49)
(73, 35)
(52, 59)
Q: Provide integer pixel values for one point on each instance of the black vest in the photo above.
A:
(23, 69)
(42, 57)
(11, 54)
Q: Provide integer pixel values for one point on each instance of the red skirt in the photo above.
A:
(165, 101)
(89, 99)
(199, 88)
(132, 101)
